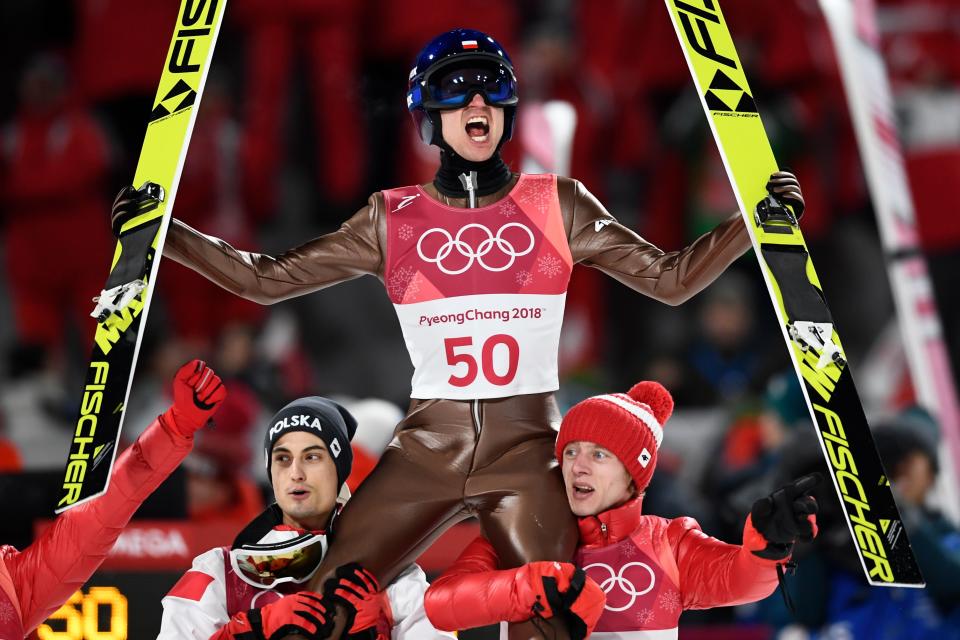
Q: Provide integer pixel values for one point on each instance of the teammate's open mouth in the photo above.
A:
(582, 490)
(299, 492)
(478, 128)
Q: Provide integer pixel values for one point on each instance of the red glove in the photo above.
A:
(304, 614)
(559, 589)
(583, 602)
(528, 582)
(358, 592)
(197, 394)
(473, 592)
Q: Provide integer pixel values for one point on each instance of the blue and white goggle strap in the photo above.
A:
(415, 92)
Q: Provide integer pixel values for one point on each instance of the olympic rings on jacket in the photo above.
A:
(617, 579)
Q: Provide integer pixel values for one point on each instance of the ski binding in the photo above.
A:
(110, 301)
(819, 337)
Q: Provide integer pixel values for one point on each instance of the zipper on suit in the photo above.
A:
(469, 182)
(475, 412)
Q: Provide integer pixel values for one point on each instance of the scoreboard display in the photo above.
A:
(112, 606)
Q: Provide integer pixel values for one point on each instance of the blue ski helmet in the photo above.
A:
(450, 70)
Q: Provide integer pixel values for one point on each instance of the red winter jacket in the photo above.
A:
(650, 568)
(35, 582)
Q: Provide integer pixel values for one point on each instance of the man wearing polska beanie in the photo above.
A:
(648, 569)
(257, 589)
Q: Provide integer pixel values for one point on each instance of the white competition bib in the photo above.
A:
(479, 292)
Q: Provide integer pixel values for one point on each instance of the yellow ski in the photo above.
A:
(122, 306)
(812, 340)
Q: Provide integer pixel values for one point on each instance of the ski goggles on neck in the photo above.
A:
(453, 85)
(266, 565)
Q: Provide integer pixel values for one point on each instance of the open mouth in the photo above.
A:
(299, 492)
(478, 128)
(582, 490)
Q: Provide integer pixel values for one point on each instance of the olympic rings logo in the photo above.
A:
(627, 587)
(276, 596)
(467, 251)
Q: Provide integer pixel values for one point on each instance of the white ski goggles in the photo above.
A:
(266, 565)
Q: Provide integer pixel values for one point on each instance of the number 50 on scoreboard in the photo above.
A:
(100, 614)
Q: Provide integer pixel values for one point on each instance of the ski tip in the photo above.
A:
(903, 585)
(60, 510)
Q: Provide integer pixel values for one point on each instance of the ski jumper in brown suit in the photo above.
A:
(488, 453)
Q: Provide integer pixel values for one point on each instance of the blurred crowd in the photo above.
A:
(303, 117)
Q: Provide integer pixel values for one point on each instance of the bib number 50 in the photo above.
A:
(455, 358)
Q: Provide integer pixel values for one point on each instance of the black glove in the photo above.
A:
(784, 186)
(131, 202)
(579, 607)
(785, 516)
(357, 591)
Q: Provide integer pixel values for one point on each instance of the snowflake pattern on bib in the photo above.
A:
(549, 265)
(399, 280)
(669, 600)
(7, 612)
(405, 232)
(536, 194)
(628, 552)
(508, 209)
(644, 616)
(524, 278)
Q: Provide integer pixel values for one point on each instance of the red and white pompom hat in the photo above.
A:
(629, 425)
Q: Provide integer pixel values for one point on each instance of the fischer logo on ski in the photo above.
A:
(806, 323)
(182, 95)
(854, 496)
(122, 306)
(725, 95)
(82, 447)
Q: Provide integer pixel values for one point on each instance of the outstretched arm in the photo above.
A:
(352, 250)
(598, 240)
(717, 574)
(64, 557)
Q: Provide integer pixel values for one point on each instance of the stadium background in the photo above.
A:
(304, 116)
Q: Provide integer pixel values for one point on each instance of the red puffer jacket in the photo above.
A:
(35, 582)
(650, 569)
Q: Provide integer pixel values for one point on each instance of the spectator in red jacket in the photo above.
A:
(649, 568)
(54, 159)
(35, 582)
